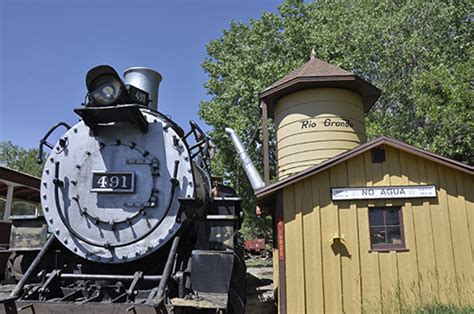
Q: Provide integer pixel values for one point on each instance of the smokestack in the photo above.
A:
(145, 79)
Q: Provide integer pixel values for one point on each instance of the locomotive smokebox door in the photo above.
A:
(114, 193)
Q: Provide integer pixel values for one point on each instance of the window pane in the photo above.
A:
(377, 235)
(393, 235)
(392, 216)
(376, 217)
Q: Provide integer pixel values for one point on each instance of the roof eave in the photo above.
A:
(268, 192)
(369, 93)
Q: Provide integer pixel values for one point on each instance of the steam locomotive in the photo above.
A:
(137, 221)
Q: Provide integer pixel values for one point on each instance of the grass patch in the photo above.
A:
(431, 293)
(258, 262)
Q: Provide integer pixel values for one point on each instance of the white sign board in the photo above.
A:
(383, 192)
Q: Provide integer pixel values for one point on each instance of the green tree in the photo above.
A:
(419, 53)
(19, 158)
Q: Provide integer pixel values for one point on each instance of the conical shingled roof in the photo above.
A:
(313, 68)
(317, 73)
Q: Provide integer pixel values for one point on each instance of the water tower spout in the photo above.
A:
(249, 168)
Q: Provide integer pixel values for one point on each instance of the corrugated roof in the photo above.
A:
(26, 186)
(270, 190)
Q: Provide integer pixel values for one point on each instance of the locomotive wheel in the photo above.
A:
(17, 264)
(238, 285)
(235, 303)
(239, 275)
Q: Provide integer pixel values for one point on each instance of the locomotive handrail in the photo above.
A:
(44, 141)
(202, 144)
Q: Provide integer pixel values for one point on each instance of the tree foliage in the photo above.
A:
(21, 159)
(419, 53)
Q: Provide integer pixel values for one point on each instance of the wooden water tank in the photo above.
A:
(313, 125)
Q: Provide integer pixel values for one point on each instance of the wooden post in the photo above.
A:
(266, 157)
(280, 229)
(8, 205)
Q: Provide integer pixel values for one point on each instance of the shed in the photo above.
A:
(383, 224)
(359, 226)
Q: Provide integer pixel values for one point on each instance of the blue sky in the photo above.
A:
(47, 47)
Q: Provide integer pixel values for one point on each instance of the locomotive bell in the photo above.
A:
(145, 79)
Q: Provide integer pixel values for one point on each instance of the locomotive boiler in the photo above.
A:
(137, 221)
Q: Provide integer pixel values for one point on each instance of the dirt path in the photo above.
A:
(260, 290)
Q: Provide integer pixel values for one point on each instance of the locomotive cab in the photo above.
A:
(135, 217)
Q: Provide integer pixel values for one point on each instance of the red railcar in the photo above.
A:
(255, 246)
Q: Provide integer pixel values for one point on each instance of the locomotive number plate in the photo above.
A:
(113, 182)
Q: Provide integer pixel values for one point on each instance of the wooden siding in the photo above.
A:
(345, 276)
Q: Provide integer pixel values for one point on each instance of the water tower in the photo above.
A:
(318, 111)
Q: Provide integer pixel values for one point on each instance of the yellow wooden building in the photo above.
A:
(361, 226)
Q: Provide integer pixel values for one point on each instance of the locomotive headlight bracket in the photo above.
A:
(111, 101)
(106, 88)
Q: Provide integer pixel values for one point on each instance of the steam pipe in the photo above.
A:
(250, 170)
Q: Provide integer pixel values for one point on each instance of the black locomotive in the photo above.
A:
(137, 221)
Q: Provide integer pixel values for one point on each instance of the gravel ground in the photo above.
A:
(260, 290)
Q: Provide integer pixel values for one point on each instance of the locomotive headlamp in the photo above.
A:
(106, 88)
(104, 85)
